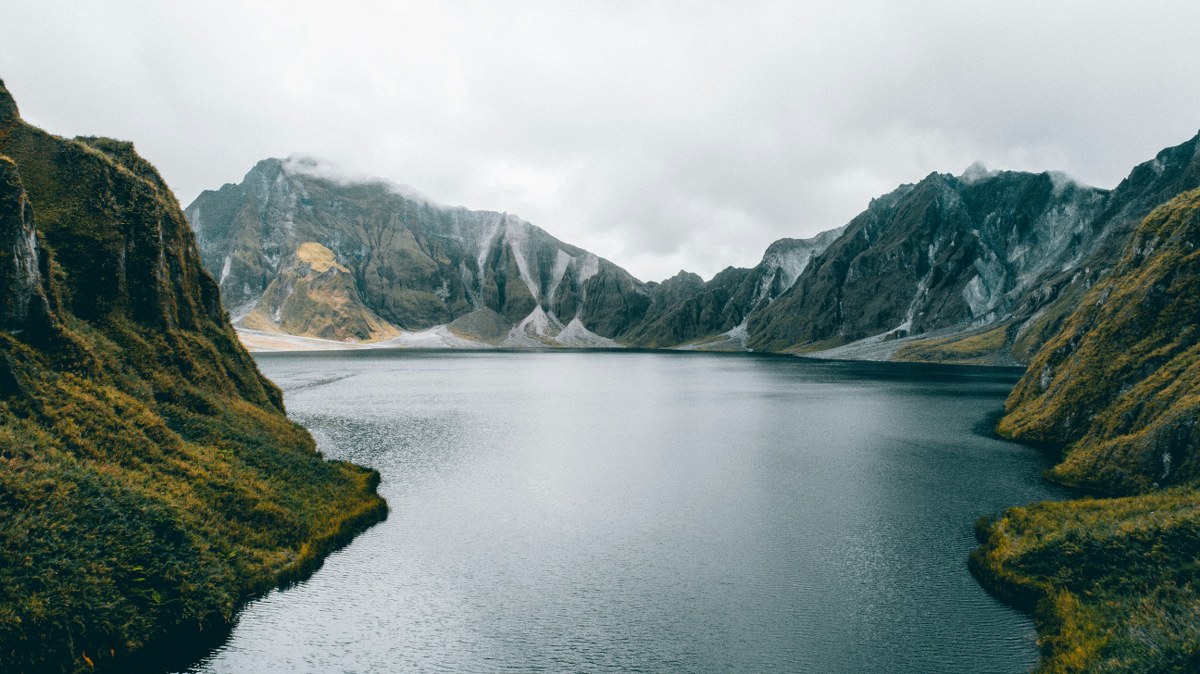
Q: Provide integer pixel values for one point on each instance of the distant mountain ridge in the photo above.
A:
(398, 269)
(401, 263)
(948, 253)
(977, 268)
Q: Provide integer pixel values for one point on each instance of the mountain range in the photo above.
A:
(976, 268)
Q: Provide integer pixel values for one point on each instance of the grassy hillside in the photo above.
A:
(151, 481)
(1113, 582)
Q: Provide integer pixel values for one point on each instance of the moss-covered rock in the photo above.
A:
(1115, 583)
(1120, 383)
(1112, 583)
(150, 481)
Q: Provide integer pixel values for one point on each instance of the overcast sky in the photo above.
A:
(661, 135)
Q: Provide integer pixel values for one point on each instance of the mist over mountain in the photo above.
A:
(299, 250)
(981, 268)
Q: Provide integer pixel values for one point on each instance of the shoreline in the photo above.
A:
(182, 647)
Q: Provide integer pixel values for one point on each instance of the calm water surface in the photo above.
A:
(646, 512)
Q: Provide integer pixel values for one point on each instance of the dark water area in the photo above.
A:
(648, 512)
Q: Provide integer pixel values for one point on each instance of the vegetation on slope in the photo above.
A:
(149, 479)
(984, 347)
(1122, 378)
(1114, 582)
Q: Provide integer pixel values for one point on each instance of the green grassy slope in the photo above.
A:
(1113, 582)
(149, 479)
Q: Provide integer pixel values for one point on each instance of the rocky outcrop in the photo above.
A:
(312, 295)
(686, 309)
(23, 304)
(1041, 310)
(714, 315)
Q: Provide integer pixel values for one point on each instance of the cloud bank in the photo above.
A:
(659, 135)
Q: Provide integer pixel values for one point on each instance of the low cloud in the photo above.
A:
(324, 169)
(659, 135)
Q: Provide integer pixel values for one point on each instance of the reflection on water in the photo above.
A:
(572, 511)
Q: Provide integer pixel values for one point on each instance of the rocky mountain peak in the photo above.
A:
(271, 166)
(1169, 169)
(8, 107)
(685, 276)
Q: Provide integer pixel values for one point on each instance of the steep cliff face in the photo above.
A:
(23, 304)
(151, 480)
(946, 253)
(1120, 383)
(682, 314)
(1113, 582)
(982, 267)
(413, 264)
(1041, 310)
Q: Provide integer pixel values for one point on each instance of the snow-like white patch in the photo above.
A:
(467, 280)
(976, 296)
(195, 221)
(733, 339)
(739, 333)
(437, 337)
(225, 268)
(272, 259)
(577, 335)
(868, 348)
(787, 265)
(538, 324)
(485, 245)
(516, 233)
(259, 341)
(589, 268)
(561, 261)
(236, 314)
(918, 297)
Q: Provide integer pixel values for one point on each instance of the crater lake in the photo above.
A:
(567, 511)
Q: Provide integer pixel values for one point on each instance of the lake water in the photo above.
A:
(650, 512)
